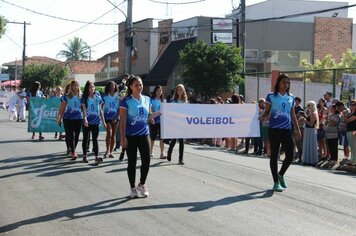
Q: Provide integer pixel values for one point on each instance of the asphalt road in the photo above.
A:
(216, 193)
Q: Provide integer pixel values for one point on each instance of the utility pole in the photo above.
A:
(242, 39)
(128, 38)
(24, 44)
(23, 51)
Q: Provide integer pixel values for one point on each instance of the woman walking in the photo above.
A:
(280, 104)
(134, 132)
(35, 92)
(111, 115)
(180, 96)
(58, 94)
(71, 114)
(92, 111)
(310, 145)
(155, 129)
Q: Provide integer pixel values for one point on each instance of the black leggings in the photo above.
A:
(86, 136)
(72, 129)
(333, 148)
(181, 148)
(278, 137)
(142, 143)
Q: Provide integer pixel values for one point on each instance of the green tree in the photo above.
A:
(320, 75)
(75, 49)
(348, 60)
(2, 26)
(48, 75)
(211, 70)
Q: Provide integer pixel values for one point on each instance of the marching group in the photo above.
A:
(132, 121)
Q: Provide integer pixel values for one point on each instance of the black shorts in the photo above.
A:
(155, 130)
(109, 121)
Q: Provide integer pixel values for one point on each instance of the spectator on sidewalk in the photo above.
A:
(310, 149)
(332, 133)
(343, 140)
(322, 114)
(350, 120)
(328, 96)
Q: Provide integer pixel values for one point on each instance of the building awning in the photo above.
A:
(117, 80)
(166, 63)
(104, 82)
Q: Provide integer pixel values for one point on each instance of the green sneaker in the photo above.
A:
(277, 187)
(282, 182)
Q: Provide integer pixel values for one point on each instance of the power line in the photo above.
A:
(58, 17)
(118, 8)
(89, 23)
(104, 40)
(177, 3)
(12, 40)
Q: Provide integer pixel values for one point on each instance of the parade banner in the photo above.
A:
(209, 120)
(43, 115)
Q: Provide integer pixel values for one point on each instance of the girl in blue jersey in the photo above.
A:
(71, 113)
(111, 115)
(35, 92)
(155, 129)
(279, 104)
(92, 112)
(180, 96)
(134, 132)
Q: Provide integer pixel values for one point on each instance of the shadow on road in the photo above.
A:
(111, 206)
(56, 164)
(48, 165)
(29, 141)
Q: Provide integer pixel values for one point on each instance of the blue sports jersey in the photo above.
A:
(111, 106)
(93, 109)
(156, 106)
(73, 109)
(280, 110)
(137, 115)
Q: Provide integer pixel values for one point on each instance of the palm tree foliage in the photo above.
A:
(76, 49)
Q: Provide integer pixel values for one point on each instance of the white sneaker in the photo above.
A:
(133, 193)
(142, 189)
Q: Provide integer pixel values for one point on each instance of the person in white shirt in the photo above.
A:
(21, 104)
(13, 104)
(328, 96)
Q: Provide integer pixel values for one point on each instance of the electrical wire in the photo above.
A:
(12, 40)
(104, 40)
(58, 17)
(118, 8)
(177, 3)
(59, 37)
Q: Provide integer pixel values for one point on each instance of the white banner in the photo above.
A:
(209, 120)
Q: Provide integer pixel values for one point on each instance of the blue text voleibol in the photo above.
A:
(210, 120)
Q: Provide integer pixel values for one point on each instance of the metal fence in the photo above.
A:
(306, 84)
